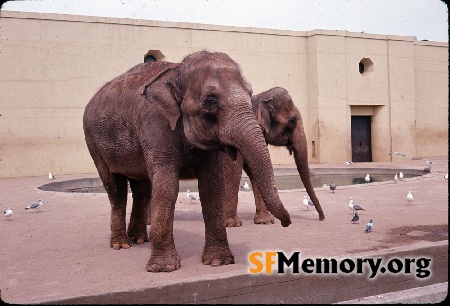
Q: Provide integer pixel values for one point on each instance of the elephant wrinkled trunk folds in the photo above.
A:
(251, 145)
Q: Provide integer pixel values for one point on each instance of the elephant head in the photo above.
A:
(282, 125)
(213, 101)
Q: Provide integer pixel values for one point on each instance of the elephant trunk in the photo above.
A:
(300, 150)
(244, 133)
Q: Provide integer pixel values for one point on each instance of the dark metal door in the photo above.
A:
(361, 141)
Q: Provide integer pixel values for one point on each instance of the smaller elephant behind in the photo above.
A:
(282, 125)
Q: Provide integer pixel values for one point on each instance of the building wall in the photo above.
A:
(51, 65)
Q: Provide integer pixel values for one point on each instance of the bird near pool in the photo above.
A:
(409, 197)
(192, 196)
(397, 153)
(8, 213)
(36, 205)
(308, 203)
(353, 206)
(355, 218)
(332, 186)
(245, 187)
(369, 226)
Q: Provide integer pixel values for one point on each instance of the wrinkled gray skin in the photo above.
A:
(282, 125)
(149, 124)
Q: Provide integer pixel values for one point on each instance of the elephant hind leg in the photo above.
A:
(233, 173)
(137, 228)
(117, 190)
(262, 215)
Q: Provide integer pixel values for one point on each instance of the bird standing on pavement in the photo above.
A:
(395, 178)
(349, 162)
(446, 176)
(397, 153)
(245, 187)
(35, 205)
(367, 178)
(354, 207)
(369, 226)
(409, 197)
(401, 175)
(8, 213)
(332, 186)
(51, 176)
(428, 169)
(307, 202)
(355, 218)
(192, 196)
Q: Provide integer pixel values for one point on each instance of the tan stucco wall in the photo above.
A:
(51, 65)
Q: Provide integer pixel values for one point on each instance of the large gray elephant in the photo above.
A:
(149, 124)
(282, 125)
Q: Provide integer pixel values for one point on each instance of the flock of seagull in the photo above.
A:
(7, 213)
(355, 207)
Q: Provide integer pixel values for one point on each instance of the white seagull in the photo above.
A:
(245, 187)
(446, 176)
(397, 153)
(8, 213)
(395, 178)
(429, 162)
(192, 196)
(367, 178)
(349, 162)
(50, 176)
(409, 197)
(369, 226)
(307, 202)
(401, 175)
(354, 207)
(35, 205)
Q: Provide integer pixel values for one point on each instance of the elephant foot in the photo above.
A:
(264, 217)
(217, 257)
(118, 244)
(138, 236)
(233, 222)
(163, 263)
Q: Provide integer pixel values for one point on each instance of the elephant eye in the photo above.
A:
(292, 122)
(290, 125)
(211, 102)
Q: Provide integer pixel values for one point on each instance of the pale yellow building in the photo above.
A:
(392, 89)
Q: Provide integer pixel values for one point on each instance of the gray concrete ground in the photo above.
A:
(62, 255)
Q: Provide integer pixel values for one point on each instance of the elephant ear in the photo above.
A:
(165, 98)
(263, 115)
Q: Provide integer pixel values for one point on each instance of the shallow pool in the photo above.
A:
(283, 182)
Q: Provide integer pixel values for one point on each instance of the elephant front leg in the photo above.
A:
(211, 185)
(164, 257)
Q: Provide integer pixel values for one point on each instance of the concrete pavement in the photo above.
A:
(62, 254)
